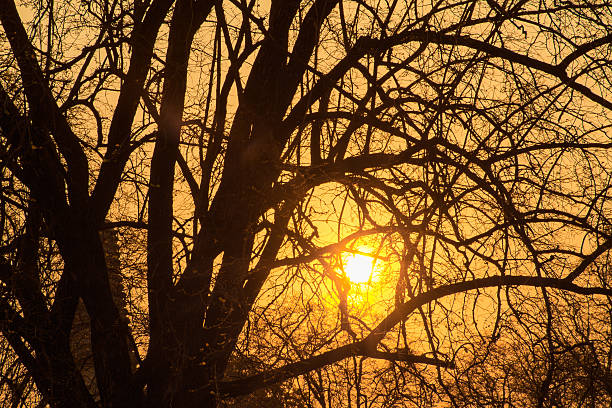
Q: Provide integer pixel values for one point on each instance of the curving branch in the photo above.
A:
(367, 346)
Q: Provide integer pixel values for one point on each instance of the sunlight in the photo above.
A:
(359, 266)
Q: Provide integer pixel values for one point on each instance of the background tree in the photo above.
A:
(240, 148)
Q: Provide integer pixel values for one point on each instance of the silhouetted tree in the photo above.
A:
(240, 147)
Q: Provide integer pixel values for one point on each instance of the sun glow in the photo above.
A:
(359, 267)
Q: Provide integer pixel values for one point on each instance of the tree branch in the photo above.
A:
(44, 110)
(367, 346)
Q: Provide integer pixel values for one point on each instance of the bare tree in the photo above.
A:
(240, 148)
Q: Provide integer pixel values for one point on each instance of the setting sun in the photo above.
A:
(358, 266)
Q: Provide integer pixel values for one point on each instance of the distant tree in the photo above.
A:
(240, 149)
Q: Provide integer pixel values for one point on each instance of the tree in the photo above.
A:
(240, 148)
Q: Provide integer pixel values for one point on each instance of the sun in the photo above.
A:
(358, 266)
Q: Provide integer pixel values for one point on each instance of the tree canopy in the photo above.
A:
(183, 182)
